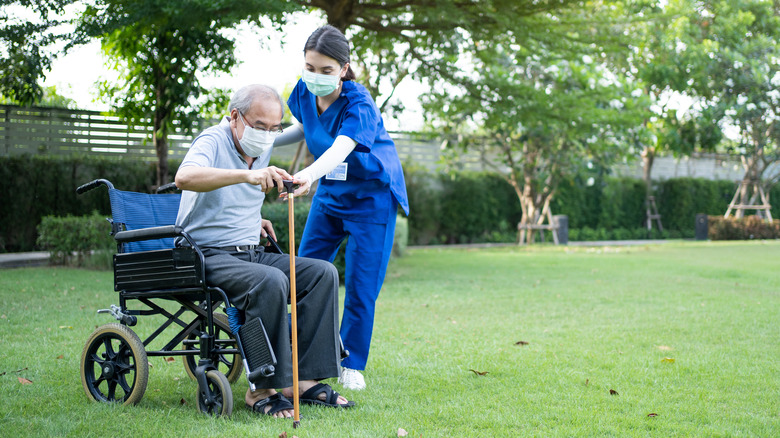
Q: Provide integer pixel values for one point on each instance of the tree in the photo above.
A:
(739, 47)
(25, 47)
(536, 120)
(508, 78)
(536, 108)
(396, 39)
(660, 65)
(160, 49)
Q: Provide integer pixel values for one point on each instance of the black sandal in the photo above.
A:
(331, 397)
(278, 402)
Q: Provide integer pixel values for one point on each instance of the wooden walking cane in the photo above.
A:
(293, 305)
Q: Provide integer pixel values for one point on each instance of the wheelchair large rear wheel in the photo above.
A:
(114, 367)
(229, 364)
(222, 402)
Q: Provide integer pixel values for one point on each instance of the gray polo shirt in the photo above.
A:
(229, 215)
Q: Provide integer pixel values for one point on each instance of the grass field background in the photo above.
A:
(677, 339)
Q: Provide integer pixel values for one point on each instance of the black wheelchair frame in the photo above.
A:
(114, 362)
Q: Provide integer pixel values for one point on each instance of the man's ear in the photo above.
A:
(344, 70)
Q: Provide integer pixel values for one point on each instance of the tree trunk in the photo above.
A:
(751, 180)
(161, 147)
(160, 135)
(648, 157)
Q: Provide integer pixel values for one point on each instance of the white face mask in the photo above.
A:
(255, 142)
(320, 85)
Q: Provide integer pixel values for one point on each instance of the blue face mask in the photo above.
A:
(320, 85)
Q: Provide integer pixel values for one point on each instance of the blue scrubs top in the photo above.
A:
(375, 180)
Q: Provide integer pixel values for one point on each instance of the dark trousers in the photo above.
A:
(258, 283)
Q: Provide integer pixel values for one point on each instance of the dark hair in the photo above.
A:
(332, 43)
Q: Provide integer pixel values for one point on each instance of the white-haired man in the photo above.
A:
(224, 178)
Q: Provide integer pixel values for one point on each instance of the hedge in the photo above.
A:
(747, 228)
(35, 186)
(464, 207)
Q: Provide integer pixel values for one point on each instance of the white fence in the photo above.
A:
(66, 132)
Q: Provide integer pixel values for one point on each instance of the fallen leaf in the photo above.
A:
(613, 392)
(24, 381)
(668, 360)
(652, 414)
(182, 401)
(283, 435)
(61, 357)
(3, 316)
(521, 343)
(664, 348)
(402, 432)
(586, 382)
(479, 373)
(170, 359)
(66, 327)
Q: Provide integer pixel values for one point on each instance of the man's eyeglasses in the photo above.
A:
(275, 132)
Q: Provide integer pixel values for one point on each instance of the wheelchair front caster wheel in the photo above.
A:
(220, 402)
(114, 367)
(230, 364)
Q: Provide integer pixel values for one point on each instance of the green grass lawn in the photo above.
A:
(688, 332)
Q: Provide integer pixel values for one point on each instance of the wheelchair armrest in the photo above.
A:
(149, 233)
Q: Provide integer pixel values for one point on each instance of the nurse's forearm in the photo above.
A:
(335, 155)
(293, 134)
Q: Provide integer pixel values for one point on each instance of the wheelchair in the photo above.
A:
(161, 278)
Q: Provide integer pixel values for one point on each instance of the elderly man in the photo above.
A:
(225, 177)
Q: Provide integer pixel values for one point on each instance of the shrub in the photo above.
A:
(751, 227)
(681, 199)
(72, 239)
(30, 194)
(401, 237)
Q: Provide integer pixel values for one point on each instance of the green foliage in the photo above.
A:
(35, 186)
(161, 49)
(474, 205)
(423, 189)
(622, 203)
(71, 239)
(681, 199)
(748, 228)
(26, 48)
(480, 207)
(401, 236)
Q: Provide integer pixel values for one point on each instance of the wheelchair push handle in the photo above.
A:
(94, 184)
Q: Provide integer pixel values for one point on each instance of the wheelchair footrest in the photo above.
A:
(258, 353)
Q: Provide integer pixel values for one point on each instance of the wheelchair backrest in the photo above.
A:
(133, 211)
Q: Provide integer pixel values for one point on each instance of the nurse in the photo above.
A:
(361, 184)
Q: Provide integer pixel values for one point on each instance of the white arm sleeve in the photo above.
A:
(335, 155)
(293, 134)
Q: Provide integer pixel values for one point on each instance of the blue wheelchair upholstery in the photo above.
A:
(133, 211)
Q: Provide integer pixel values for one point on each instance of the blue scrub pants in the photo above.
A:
(367, 254)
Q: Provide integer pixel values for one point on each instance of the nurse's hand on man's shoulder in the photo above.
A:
(268, 178)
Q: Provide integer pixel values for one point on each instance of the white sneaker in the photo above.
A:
(352, 379)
